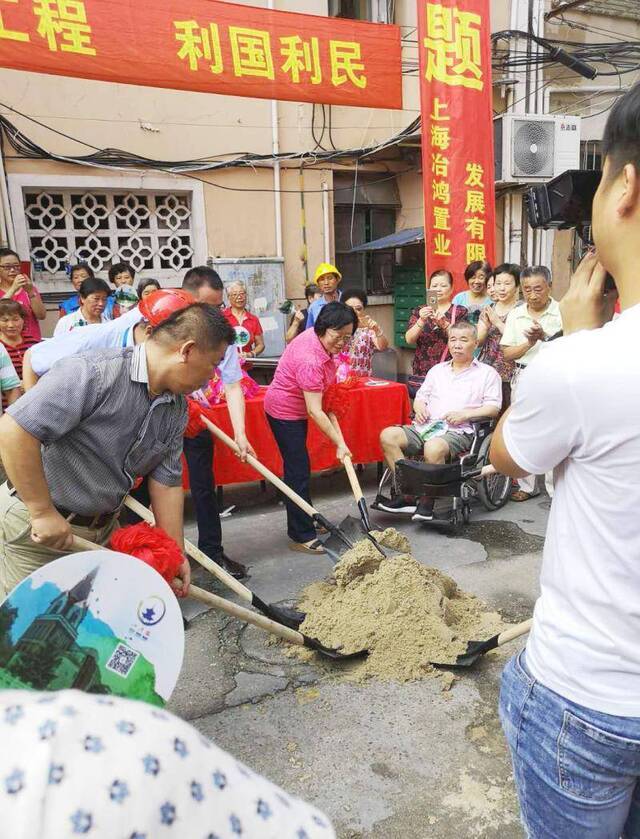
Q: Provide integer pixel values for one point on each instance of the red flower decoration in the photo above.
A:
(152, 545)
(336, 398)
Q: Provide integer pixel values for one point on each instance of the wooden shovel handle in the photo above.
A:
(219, 603)
(266, 473)
(80, 544)
(246, 615)
(515, 632)
(353, 479)
(195, 553)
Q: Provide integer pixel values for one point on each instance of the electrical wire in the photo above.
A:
(123, 161)
(111, 157)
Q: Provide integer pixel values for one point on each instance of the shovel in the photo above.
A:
(476, 649)
(362, 507)
(289, 617)
(339, 536)
(246, 615)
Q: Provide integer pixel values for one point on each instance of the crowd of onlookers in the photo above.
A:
(511, 309)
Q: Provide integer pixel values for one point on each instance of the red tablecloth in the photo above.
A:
(372, 408)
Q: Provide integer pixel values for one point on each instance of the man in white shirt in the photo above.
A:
(453, 395)
(570, 702)
(527, 328)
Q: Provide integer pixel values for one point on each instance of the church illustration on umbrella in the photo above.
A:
(47, 654)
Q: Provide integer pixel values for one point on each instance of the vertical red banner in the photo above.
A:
(454, 38)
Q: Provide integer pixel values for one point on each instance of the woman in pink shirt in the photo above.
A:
(16, 285)
(303, 374)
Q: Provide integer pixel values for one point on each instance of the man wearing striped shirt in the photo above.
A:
(74, 445)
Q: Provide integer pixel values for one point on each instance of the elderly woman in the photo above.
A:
(304, 372)
(428, 328)
(248, 328)
(94, 294)
(368, 337)
(476, 276)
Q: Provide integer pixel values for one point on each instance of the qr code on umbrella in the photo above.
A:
(122, 660)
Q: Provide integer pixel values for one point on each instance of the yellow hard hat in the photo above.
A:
(326, 268)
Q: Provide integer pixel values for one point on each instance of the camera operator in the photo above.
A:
(570, 702)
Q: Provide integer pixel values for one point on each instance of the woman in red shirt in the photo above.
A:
(12, 318)
(248, 328)
(16, 285)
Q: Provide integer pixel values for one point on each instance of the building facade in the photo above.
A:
(272, 224)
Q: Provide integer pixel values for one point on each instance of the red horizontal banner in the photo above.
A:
(207, 46)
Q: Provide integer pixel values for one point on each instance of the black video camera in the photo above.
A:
(565, 202)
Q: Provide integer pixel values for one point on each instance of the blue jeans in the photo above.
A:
(576, 770)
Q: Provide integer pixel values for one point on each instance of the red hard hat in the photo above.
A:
(159, 305)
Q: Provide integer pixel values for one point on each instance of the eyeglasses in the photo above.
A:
(12, 266)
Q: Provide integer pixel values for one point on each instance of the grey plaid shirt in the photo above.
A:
(101, 429)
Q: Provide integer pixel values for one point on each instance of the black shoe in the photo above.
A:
(237, 570)
(424, 510)
(395, 504)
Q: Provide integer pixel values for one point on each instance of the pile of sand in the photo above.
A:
(404, 613)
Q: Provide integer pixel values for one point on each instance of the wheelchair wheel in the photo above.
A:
(494, 490)
(384, 487)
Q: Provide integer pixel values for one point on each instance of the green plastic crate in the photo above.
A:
(409, 291)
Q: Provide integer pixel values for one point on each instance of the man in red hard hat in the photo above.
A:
(74, 445)
(131, 329)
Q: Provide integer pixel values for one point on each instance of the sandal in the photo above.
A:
(314, 546)
(521, 495)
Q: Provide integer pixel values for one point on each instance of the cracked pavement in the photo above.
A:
(381, 759)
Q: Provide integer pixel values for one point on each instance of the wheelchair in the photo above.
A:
(459, 482)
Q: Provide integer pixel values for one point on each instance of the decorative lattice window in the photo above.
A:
(150, 230)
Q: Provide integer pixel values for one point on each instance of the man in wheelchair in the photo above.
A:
(453, 395)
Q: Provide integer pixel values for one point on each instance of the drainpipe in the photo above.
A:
(6, 222)
(325, 222)
(275, 150)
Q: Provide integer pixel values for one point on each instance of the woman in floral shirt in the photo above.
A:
(491, 325)
(428, 328)
(368, 337)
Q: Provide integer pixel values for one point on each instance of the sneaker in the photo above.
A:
(424, 510)
(395, 504)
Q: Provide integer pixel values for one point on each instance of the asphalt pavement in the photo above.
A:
(399, 761)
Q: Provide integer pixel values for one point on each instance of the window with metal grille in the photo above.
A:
(378, 11)
(152, 231)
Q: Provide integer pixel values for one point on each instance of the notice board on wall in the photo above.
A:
(264, 279)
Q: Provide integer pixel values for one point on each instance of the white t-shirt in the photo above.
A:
(75, 319)
(577, 411)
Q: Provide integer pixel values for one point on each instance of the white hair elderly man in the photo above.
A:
(453, 395)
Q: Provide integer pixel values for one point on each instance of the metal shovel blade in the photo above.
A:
(354, 530)
(474, 651)
(331, 652)
(281, 614)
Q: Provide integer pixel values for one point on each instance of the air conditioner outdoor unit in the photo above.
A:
(530, 148)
